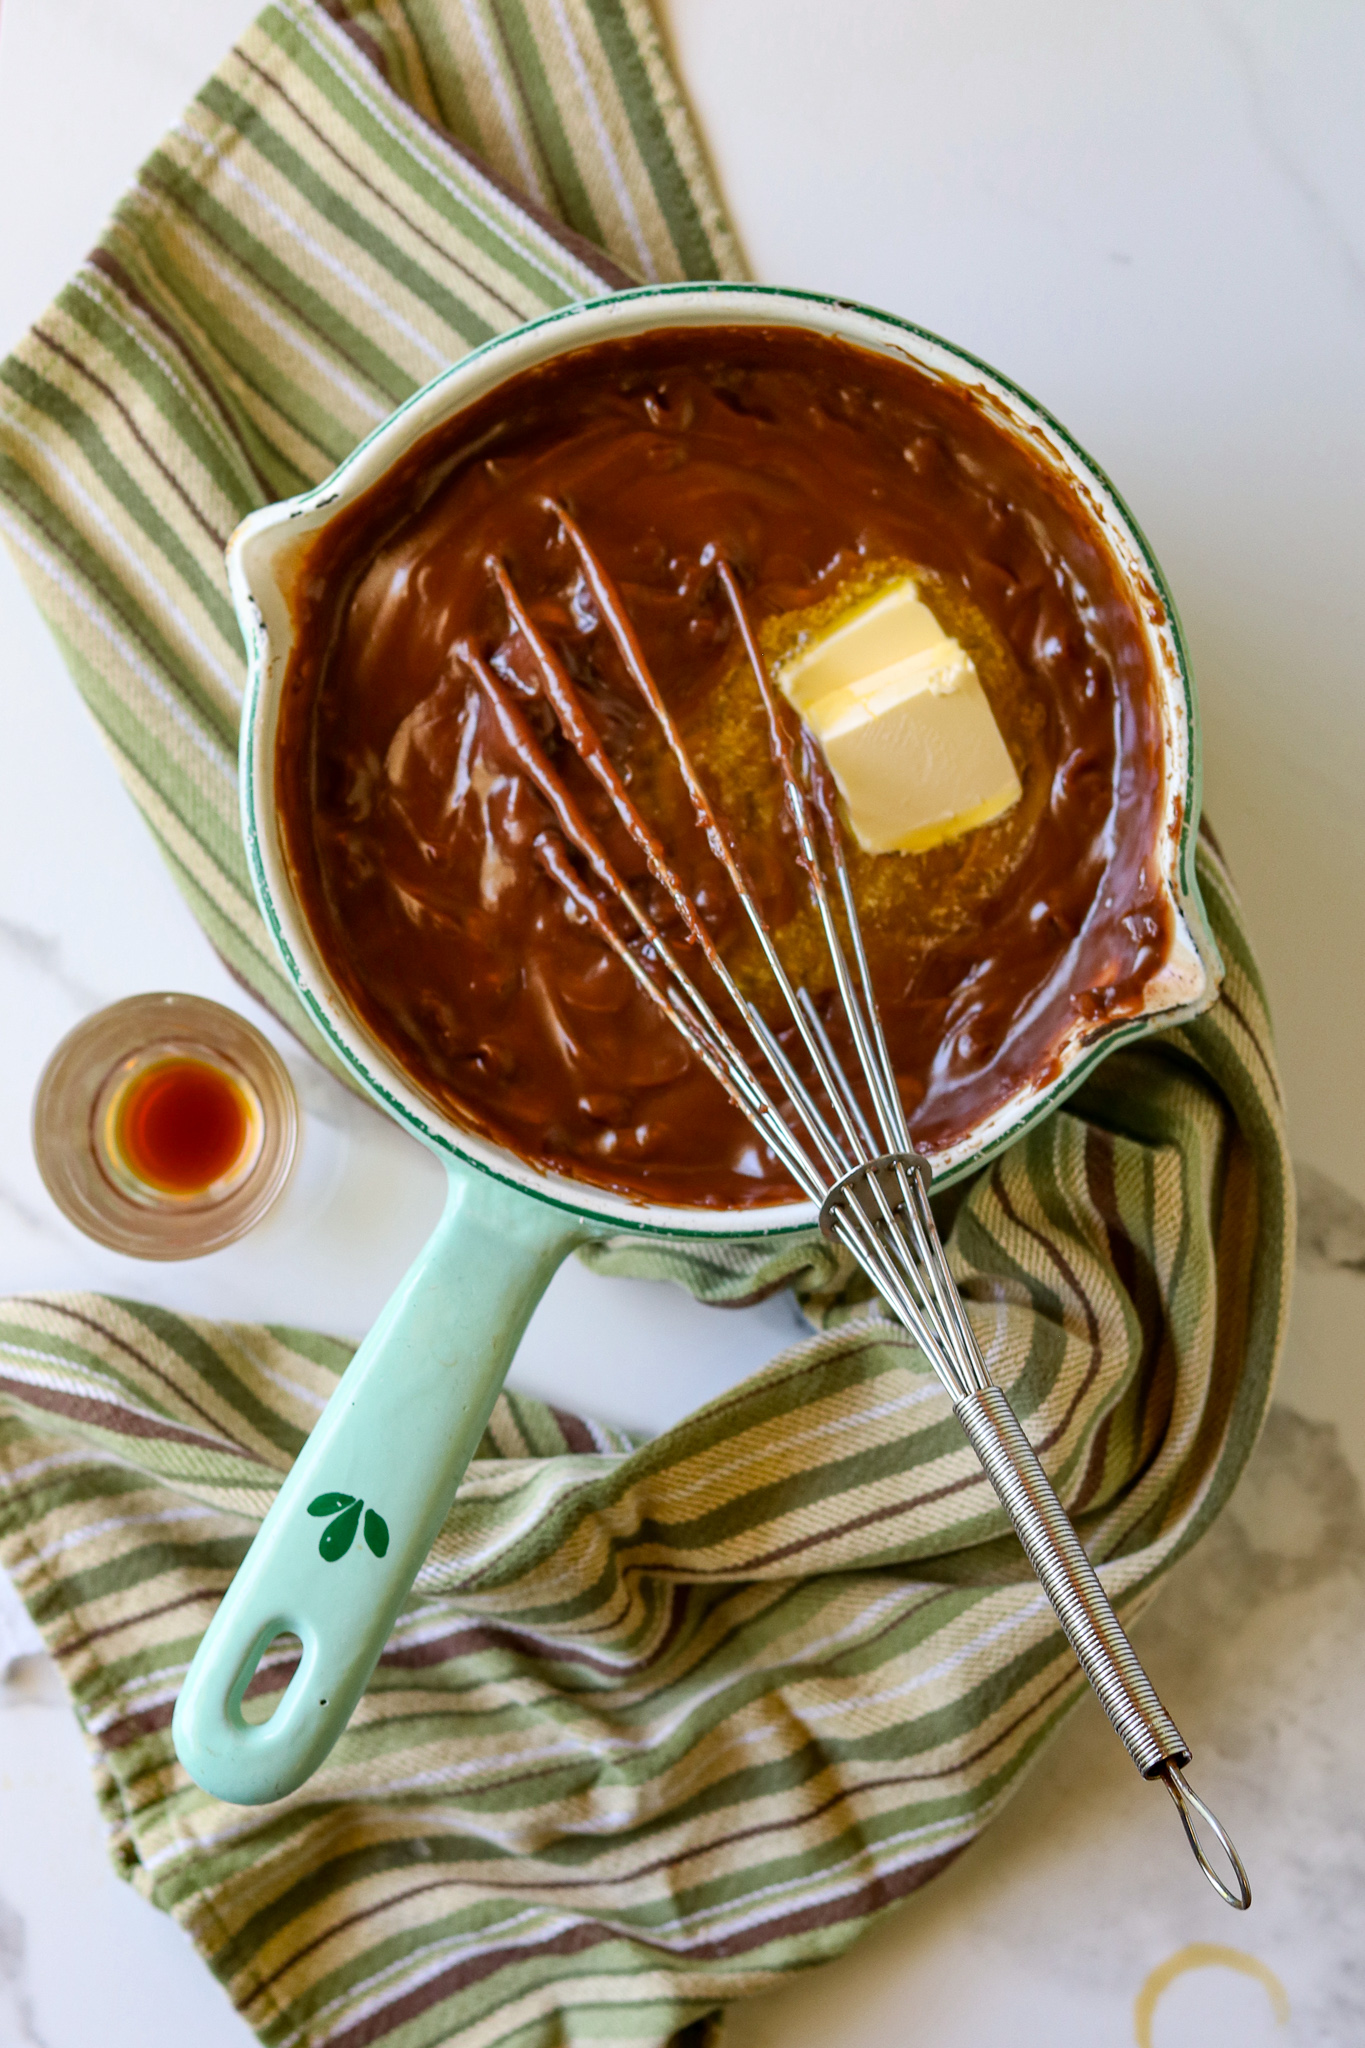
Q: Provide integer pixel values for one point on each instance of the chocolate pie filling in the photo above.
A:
(818, 470)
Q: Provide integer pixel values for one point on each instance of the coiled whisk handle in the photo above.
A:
(1088, 1620)
(1067, 1576)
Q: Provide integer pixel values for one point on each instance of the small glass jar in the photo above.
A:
(165, 1126)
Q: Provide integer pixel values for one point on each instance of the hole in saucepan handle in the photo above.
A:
(270, 1672)
(271, 1679)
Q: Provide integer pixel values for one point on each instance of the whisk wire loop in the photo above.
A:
(680, 999)
(617, 621)
(870, 1046)
(577, 728)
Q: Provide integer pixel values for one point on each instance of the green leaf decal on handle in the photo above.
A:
(338, 1536)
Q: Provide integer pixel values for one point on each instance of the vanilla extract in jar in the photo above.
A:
(180, 1125)
(165, 1126)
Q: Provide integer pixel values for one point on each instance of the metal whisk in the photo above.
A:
(871, 1187)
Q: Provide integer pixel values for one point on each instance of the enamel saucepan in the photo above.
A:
(355, 1517)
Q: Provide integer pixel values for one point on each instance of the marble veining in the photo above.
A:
(25, 1213)
(1331, 1224)
(41, 953)
(1313, 202)
(18, 2028)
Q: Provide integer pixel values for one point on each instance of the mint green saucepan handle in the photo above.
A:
(334, 1558)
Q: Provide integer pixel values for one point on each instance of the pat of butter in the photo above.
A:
(904, 724)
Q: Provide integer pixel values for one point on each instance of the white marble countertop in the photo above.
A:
(1153, 216)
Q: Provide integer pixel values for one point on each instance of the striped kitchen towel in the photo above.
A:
(662, 1721)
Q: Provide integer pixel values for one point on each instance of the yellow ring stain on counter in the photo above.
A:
(1203, 1955)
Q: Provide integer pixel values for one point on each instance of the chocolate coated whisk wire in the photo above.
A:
(871, 1186)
